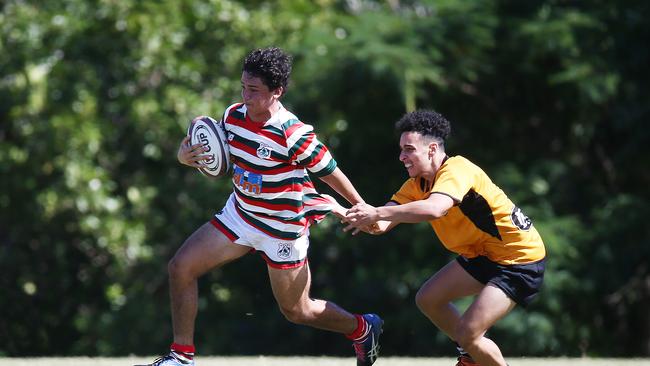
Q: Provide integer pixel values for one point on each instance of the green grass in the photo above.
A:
(315, 361)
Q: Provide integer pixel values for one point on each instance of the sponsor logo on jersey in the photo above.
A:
(247, 181)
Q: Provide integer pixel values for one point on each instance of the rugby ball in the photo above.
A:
(210, 133)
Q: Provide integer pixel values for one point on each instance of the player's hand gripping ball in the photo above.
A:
(211, 134)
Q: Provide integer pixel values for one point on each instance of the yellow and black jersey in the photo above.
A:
(483, 220)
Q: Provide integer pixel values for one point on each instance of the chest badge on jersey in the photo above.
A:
(231, 136)
(264, 151)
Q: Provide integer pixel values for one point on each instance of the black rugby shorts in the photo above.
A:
(521, 282)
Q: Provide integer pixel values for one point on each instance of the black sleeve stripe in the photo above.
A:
(456, 200)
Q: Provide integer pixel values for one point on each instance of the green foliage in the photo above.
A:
(549, 97)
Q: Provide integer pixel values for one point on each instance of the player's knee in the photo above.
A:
(421, 300)
(425, 301)
(295, 315)
(467, 335)
(176, 268)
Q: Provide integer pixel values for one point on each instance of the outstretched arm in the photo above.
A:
(377, 228)
(340, 212)
(434, 207)
(342, 185)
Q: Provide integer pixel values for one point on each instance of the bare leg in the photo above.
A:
(435, 297)
(490, 305)
(204, 250)
(452, 282)
(291, 290)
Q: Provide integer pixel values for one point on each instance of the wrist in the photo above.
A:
(338, 210)
(381, 213)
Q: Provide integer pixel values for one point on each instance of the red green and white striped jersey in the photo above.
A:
(271, 161)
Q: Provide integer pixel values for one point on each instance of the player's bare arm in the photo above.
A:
(434, 207)
(342, 185)
(191, 155)
(338, 210)
(381, 226)
(376, 228)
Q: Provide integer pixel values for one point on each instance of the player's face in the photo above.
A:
(258, 98)
(416, 154)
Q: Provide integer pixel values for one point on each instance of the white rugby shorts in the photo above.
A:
(278, 253)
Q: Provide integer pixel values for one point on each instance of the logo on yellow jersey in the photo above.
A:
(520, 220)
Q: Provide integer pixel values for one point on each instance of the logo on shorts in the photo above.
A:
(520, 220)
(264, 151)
(284, 250)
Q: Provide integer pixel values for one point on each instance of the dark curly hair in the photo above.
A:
(427, 123)
(272, 65)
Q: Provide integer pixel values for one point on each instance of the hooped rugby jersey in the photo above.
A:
(271, 161)
(483, 220)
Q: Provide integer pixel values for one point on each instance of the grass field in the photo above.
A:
(316, 361)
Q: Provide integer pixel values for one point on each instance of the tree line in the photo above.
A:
(549, 97)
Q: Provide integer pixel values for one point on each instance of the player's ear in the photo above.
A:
(433, 146)
(277, 92)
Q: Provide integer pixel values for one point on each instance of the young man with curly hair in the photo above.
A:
(500, 254)
(270, 210)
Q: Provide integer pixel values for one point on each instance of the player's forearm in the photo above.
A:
(412, 212)
(384, 226)
(342, 185)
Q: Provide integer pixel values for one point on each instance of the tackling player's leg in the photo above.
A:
(434, 299)
(499, 289)
(489, 306)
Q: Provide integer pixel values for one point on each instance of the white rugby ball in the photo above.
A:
(207, 131)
